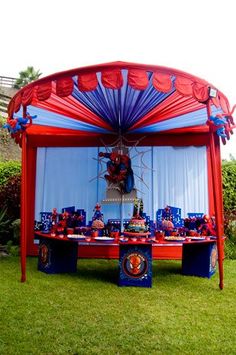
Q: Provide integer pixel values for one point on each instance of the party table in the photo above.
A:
(59, 254)
(199, 258)
(89, 248)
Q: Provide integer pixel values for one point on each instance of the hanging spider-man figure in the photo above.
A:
(119, 170)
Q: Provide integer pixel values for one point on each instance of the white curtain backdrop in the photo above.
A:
(163, 176)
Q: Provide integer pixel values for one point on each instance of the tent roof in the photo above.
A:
(121, 98)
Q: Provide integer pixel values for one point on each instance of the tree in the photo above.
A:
(26, 77)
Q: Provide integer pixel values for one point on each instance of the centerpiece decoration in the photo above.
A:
(137, 226)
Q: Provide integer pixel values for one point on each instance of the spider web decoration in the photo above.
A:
(122, 146)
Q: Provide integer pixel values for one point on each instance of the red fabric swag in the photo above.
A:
(27, 96)
(44, 91)
(184, 86)
(17, 104)
(138, 79)
(200, 92)
(64, 87)
(10, 108)
(87, 82)
(215, 101)
(224, 104)
(162, 82)
(112, 79)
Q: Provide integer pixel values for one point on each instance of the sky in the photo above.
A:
(197, 37)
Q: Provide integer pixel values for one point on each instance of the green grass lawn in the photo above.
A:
(87, 313)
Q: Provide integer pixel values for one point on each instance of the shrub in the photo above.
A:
(12, 249)
(15, 226)
(9, 169)
(229, 185)
(229, 197)
(4, 226)
(230, 232)
(10, 196)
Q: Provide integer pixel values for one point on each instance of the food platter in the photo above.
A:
(197, 238)
(104, 239)
(124, 240)
(174, 238)
(76, 236)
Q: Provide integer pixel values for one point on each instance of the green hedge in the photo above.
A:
(229, 195)
(229, 185)
(10, 176)
(9, 169)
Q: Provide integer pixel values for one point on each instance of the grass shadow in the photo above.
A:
(110, 276)
(164, 268)
(108, 271)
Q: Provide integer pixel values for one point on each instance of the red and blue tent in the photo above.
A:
(153, 105)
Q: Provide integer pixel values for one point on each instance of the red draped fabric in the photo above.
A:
(87, 82)
(162, 82)
(44, 91)
(11, 107)
(216, 101)
(112, 79)
(64, 87)
(138, 79)
(70, 107)
(200, 92)
(17, 104)
(184, 86)
(27, 96)
(224, 104)
(173, 106)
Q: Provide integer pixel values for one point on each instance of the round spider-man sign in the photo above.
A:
(44, 255)
(213, 258)
(135, 265)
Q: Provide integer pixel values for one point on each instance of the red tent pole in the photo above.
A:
(217, 202)
(23, 205)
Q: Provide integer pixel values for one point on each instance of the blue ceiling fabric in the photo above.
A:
(52, 119)
(191, 119)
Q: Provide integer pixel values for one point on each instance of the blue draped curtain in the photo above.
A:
(163, 176)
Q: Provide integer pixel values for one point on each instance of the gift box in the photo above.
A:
(70, 209)
(46, 221)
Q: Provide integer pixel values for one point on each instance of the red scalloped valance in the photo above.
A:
(11, 108)
(17, 103)
(64, 87)
(224, 104)
(138, 79)
(184, 86)
(87, 82)
(162, 82)
(27, 96)
(112, 79)
(200, 92)
(44, 91)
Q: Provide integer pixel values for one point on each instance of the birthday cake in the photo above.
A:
(137, 225)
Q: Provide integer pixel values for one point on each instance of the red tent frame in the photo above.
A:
(29, 148)
(41, 136)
